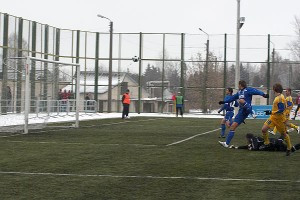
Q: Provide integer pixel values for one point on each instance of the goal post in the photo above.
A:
(36, 84)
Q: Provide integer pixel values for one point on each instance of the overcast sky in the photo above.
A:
(213, 16)
(275, 17)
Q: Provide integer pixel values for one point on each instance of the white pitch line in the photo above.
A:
(79, 143)
(12, 135)
(150, 177)
(56, 130)
(192, 137)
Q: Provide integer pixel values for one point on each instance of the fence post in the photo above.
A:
(4, 67)
(182, 68)
(33, 66)
(225, 65)
(268, 69)
(20, 67)
(140, 72)
(96, 67)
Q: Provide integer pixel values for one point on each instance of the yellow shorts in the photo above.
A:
(278, 122)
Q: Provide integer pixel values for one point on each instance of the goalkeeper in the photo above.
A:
(256, 143)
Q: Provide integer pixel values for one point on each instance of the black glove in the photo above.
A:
(266, 95)
(221, 102)
(268, 112)
(219, 111)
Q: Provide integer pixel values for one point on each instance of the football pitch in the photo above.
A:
(144, 158)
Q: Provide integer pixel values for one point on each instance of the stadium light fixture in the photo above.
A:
(101, 16)
(109, 92)
(205, 33)
(242, 21)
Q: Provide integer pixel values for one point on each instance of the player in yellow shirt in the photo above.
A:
(290, 104)
(277, 118)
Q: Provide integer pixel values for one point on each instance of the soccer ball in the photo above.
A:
(135, 59)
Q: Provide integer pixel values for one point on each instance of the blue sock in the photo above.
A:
(223, 128)
(229, 137)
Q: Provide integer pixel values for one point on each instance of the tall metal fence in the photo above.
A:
(199, 66)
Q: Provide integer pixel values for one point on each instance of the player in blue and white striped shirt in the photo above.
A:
(229, 108)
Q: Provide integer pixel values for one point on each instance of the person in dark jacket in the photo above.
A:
(256, 143)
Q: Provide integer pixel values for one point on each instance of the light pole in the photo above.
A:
(205, 74)
(273, 60)
(240, 22)
(109, 92)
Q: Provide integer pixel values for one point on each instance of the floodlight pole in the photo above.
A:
(205, 73)
(237, 59)
(240, 22)
(109, 92)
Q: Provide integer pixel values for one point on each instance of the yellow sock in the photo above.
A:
(288, 141)
(266, 138)
(275, 130)
(293, 126)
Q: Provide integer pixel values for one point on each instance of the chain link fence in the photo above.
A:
(198, 66)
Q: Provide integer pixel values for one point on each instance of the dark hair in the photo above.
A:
(249, 137)
(230, 90)
(277, 87)
(243, 83)
(127, 90)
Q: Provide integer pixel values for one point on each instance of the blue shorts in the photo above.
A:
(242, 114)
(229, 116)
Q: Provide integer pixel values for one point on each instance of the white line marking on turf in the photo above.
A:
(12, 135)
(79, 143)
(151, 177)
(192, 137)
(57, 130)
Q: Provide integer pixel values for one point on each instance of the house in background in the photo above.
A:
(120, 82)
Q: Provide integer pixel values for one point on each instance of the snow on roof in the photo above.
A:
(88, 79)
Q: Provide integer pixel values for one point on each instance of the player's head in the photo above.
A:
(127, 91)
(249, 137)
(288, 91)
(277, 87)
(229, 91)
(242, 84)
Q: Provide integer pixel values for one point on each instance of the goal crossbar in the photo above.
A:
(45, 60)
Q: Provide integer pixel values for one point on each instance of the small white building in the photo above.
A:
(120, 82)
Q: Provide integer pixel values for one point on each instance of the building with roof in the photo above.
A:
(120, 82)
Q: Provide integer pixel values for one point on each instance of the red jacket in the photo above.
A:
(126, 98)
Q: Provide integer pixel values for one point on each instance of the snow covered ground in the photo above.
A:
(17, 119)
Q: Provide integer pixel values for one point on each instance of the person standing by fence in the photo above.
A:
(126, 104)
(179, 104)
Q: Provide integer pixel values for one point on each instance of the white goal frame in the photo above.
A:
(28, 88)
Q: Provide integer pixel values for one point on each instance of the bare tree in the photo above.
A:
(295, 45)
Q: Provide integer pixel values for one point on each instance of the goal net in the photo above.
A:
(39, 93)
